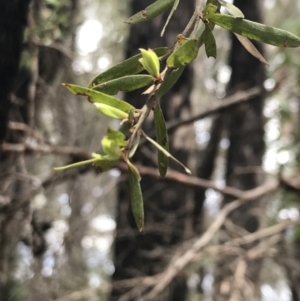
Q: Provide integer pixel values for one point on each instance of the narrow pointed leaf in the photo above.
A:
(110, 111)
(137, 204)
(99, 97)
(77, 164)
(126, 83)
(184, 54)
(210, 43)
(232, 9)
(134, 146)
(166, 153)
(251, 48)
(130, 66)
(256, 31)
(150, 12)
(170, 81)
(176, 2)
(162, 140)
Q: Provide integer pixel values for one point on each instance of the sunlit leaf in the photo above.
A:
(111, 148)
(150, 62)
(184, 54)
(251, 48)
(210, 43)
(118, 136)
(130, 66)
(99, 97)
(256, 31)
(74, 165)
(110, 111)
(137, 204)
(232, 9)
(150, 12)
(126, 83)
(162, 140)
(176, 2)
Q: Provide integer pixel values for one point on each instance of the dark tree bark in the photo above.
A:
(168, 205)
(244, 157)
(13, 18)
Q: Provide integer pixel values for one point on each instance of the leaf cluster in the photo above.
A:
(127, 76)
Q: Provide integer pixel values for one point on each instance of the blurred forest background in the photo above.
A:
(235, 123)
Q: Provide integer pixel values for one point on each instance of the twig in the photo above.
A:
(186, 179)
(229, 247)
(149, 105)
(227, 103)
(176, 267)
(32, 145)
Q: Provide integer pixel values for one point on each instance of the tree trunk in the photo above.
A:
(21, 94)
(13, 19)
(244, 164)
(168, 205)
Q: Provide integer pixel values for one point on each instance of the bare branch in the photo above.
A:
(176, 267)
(227, 103)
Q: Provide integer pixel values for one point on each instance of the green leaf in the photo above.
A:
(118, 136)
(137, 204)
(256, 31)
(251, 48)
(104, 164)
(111, 148)
(77, 164)
(210, 42)
(150, 62)
(166, 153)
(162, 140)
(209, 9)
(150, 12)
(110, 111)
(99, 97)
(184, 54)
(130, 66)
(199, 29)
(170, 81)
(233, 10)
(126, 83)
(176, 2)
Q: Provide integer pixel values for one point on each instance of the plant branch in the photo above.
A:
(176, 267)
(227, 103)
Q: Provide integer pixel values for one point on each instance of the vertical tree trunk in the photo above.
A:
(244, 161)
(13, 18)
(168, 209)
(17, 221)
